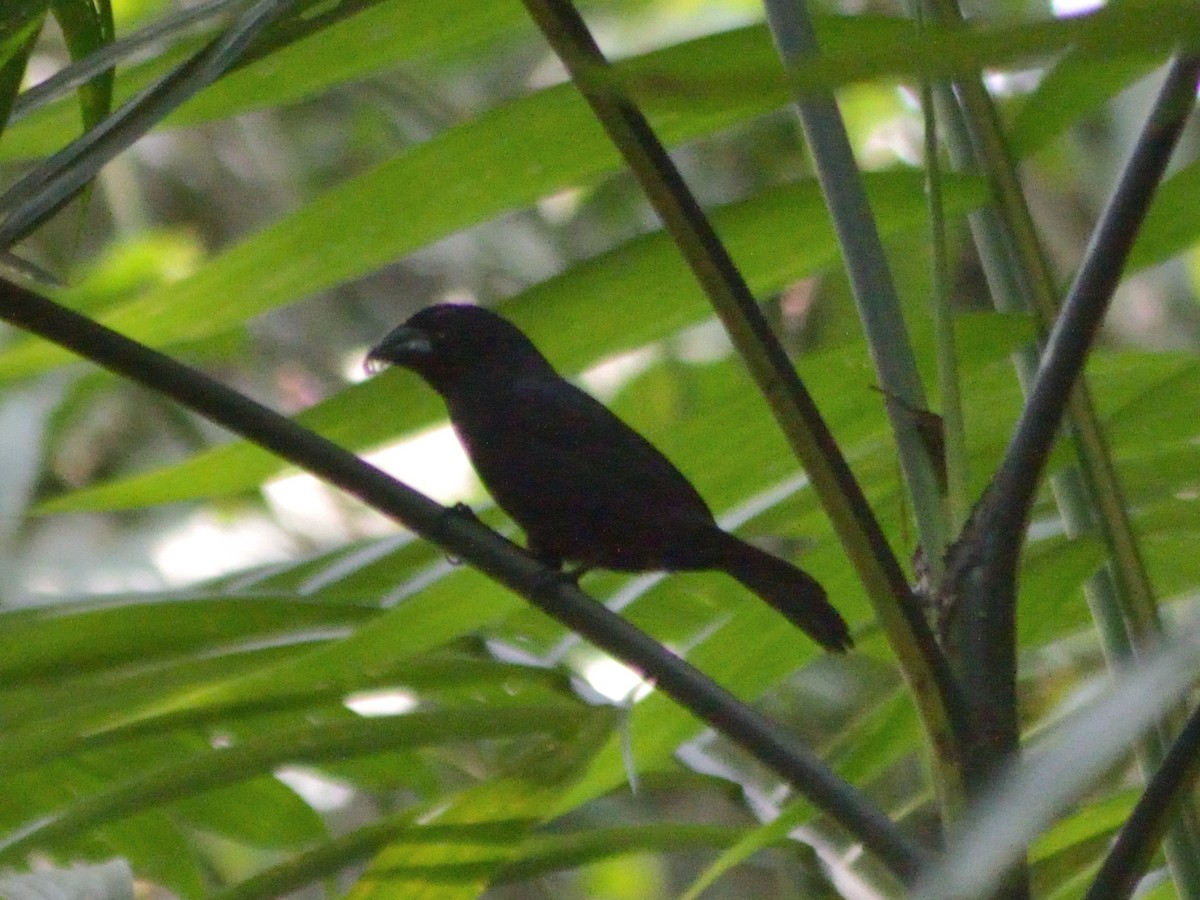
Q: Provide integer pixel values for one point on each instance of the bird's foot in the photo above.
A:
(552, 579)
(573, 575)
(462, 511)
(555, 562)
(545, 557)
(556, 574)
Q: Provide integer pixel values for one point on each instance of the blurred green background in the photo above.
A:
(276, 225)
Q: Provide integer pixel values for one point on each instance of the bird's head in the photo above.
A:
(451, 344)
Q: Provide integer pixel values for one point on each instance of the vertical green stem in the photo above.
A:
(949, 395)
(869, 274)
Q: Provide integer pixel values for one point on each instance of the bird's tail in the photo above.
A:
(794, 593)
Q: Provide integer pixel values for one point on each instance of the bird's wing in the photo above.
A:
(543, 447)
(573, 428)
(582, 484)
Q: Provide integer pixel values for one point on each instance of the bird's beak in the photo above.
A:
(403, 346)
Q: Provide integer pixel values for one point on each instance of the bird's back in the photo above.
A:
(582, 484)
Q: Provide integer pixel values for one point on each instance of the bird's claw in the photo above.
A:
(554, 563)
(575, 574)
(553, 578)
(462, 511)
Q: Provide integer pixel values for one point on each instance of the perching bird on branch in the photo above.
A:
(584, 486)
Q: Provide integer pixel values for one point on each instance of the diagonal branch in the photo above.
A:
(1087, 300)
(463, 537)
(1142, 832)
(985, 561)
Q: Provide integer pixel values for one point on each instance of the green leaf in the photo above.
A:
(281, 819)
(352, 39)
(46, 641)
(157, 850)
(461, 840)
(19, 27)
(768, 835)
(1079, 85)
(87, 26)
(1098, 819)
(761, 235)
(308, 743)
(1171, 224)
(865, 48)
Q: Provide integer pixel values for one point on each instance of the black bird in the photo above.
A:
(583, 485)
